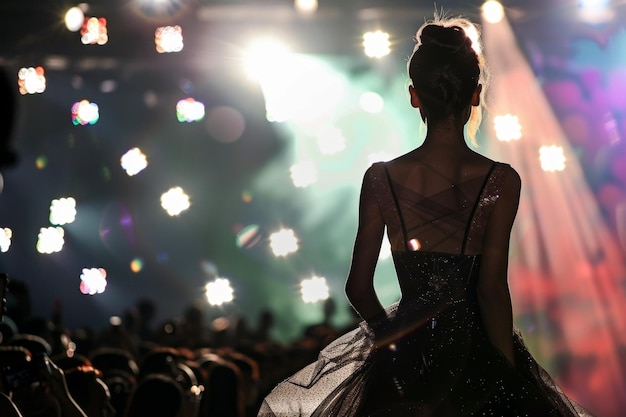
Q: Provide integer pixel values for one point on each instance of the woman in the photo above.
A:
(448, 347)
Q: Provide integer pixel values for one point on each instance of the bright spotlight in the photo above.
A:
(189, 110)
(376, 44)
(219, 292)
(74, 19)
(552, 158)
(264, 58)
(507, 127)
(133, 161)
(93, 281)
(493, 12)
(85, 113)
(175, 201)
(283, 242)
(168, 39)
(50, 239)
(31, 80)
(62, 211)
(94, 31)
(314, 289)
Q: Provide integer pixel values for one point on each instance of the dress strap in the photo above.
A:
(398, 210)
(470, 219)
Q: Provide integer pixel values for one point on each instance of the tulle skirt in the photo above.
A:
(350, 378)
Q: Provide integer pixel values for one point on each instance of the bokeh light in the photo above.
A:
(283, 242)
(85, 113)
(492, 10)
(74, 18)
(507, 127)
(31, 80)
(219, 292)
(133, 161)
(62, 211)
(175, 201)
(552, 158)
(376, 44)
(314, 289)
(168, 39)
(6, 234)
(136, 265)
(189, 110)
(50, 240)
(41, 162)
(94, 31)
(93, 281)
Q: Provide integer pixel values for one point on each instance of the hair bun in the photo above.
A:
(451, 38)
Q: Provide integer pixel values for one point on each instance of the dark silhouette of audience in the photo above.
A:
(187, 366)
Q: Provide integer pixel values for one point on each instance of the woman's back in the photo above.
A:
(436, 194)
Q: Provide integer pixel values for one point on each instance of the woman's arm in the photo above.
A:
(360, 283)
(493, 294)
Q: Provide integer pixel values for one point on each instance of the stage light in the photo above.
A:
(94, 31)
(303, 174)
(493, 12)
(74, 19)
(371, 102)
(62, 211)
(219, 292)
(314, 289)
(376, 44)
(552, 158)
(84, 113)
(331, 141)
(133, 161)
(189, 110)
(93, 281)
(283, 242)
(31, 80)
(306, 6)
(265, 58)
(50, 239)
(5, 239)
(168, 39)
(507, 127)
(175, 201)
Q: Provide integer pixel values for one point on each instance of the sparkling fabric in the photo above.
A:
(436, 359)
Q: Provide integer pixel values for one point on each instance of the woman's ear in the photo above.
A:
(415, 100)
(476, 95)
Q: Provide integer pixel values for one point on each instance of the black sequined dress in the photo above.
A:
(438, 360)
